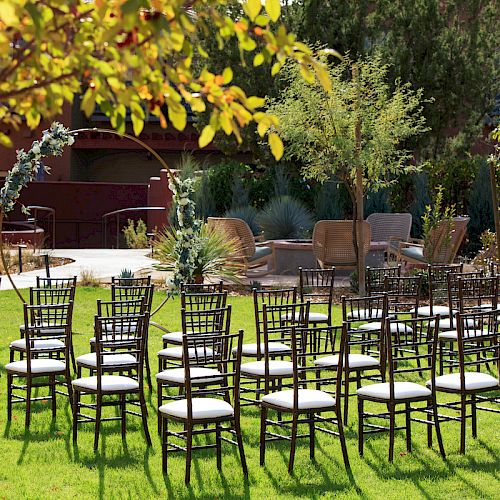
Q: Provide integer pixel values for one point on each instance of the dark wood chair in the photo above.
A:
(397, 390)
(43, 324)
(364, 348)
(132, 309)
(126, 292)
(203, 287)
(269, 298)
(195, 301)
(475, 370)
(302, 399)
(143, 281)
(114, 338)
(171, 371)
(277, 321)
(375, 278)
(467, 294)
(46, 296)
(316, 286)
(42, 282)
(195, 323)
(209, 404)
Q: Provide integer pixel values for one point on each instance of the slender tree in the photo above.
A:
(356, 133)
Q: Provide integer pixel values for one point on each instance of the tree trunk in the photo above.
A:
(359, 190)
(496, 215)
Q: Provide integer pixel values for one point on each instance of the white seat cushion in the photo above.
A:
(402, 390)
(354, 360)
(395, 327)
(441, 310)
(308, 399)
(469, 334)
(90, 359)
(276, 368)
(37, 366)
(178, 376)
(193, 352)
(173, 337)
(365, 314)
(274, 347)
(203, 408)
(473, 381)
(109, 383)
(314, 317)
(44, 331)
(117, 338)
(38, 344)
(120, 326)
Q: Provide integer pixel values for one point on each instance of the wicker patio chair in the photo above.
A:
(252, 255)
(441, 250)
(388, 230)
(333, 245)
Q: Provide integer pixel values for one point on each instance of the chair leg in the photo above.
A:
(392, 430)
(438, 428)
(239, 438)
(28, 403)
(52, 382)
(76, 403)
(408, 426)
(346, 396)
(164, 443)
(360, 426)
(263, 418)
(69, 385)
(463, 421)
(9, 396)
(293, 442)
(123, 408)
(342, 440)
(144, 415)
(218, 446)
(159, 391)
(148, 368)
(98, 410)
(474, 415)
(189, 450)
(72, 354)
(311, 435)
(429, 423)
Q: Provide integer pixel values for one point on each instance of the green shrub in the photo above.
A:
(205, 203)
(248, 214)
(479, 208)
(284, 218)
(240, 192)
(220, 182)
(126, 274)
(331, 201)
(377, 202)
(136, 235)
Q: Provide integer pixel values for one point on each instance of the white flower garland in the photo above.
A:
(29, 162)
(188, 243)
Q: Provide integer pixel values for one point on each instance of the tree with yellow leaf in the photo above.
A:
(138, 55)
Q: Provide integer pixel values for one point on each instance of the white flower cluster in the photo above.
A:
(188, 243)
(29, 162)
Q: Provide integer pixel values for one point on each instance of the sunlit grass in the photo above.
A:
(43, 462)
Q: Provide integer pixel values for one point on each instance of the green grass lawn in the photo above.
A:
(43, 462)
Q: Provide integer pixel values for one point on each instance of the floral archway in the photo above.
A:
(52, 143)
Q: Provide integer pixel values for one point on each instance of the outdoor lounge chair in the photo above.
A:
(253, 255)
(333, 245)
(440, 249)
(387, 231)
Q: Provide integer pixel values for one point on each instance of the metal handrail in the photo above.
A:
(51, 213)
(117, 213)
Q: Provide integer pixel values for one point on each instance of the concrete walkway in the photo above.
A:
(103, 263)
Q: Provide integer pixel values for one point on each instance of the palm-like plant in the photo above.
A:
(218, 256)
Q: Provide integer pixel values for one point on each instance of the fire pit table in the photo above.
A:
(292, 254)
